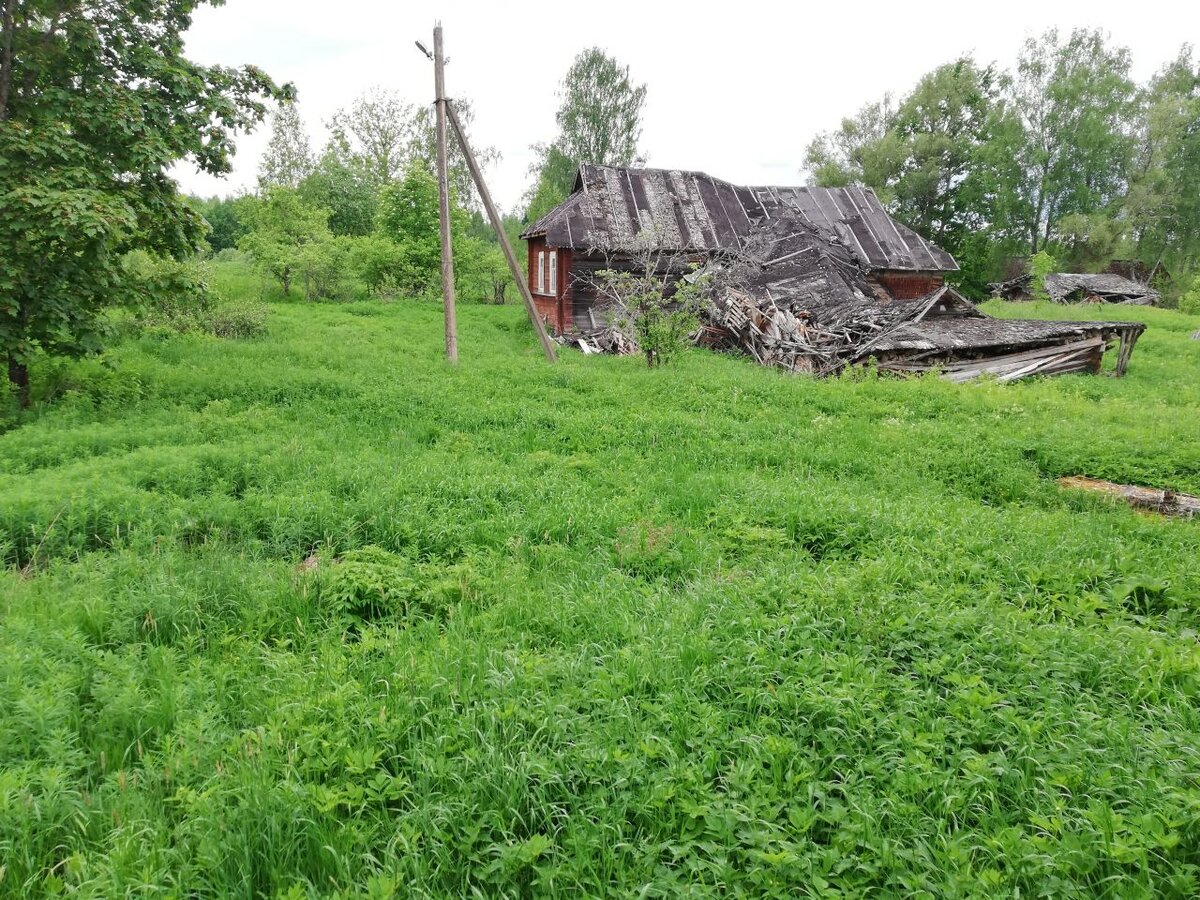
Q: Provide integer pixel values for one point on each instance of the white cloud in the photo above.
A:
(737, 91)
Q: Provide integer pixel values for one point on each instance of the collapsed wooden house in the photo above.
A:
(1136, 270)
(804, 304)
(1063, 287)
(813, 279)
(694, 213)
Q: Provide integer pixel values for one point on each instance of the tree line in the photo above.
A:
(1062, 153)
(365, 207)
(362, 211)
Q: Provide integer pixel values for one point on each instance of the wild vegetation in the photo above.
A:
(280, 619)
(289, 607)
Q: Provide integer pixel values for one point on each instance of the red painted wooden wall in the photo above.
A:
(555, 305)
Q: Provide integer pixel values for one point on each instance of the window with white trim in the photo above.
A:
(552, 279)
(541, 275)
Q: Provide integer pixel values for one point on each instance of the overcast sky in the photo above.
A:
(737, 90)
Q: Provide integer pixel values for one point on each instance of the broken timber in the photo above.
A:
(1159, 500)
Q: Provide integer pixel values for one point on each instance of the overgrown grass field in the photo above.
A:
(316, 614)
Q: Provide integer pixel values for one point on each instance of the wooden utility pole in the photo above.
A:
(498, 225)
(439, 80)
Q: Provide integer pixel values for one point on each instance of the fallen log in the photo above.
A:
(1160, 500)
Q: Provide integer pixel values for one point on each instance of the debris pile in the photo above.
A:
(602, 339)
(798, 299)
(799, 339)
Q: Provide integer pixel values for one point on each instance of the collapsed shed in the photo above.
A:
(811, 279)
(1066, 287)
(807, 306)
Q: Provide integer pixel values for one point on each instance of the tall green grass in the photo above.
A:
(318, 614)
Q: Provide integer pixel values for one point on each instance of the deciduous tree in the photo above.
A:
(1075, 103)
(282, 226)
(343, 185)
(423, 150)
(599, 121)
(97, 101)
(855, 153)
(288, 159)
(378, 131)
(1163, 202)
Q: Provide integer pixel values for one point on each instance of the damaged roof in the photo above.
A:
(952, 333)
(1116, 288)
(1068, 287)
(858, 220)
(788, 257)
(794, 300)
(692, 211)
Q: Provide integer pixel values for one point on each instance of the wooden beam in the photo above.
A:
(1159, 500)
(439, 79)
(498, 225)
(1128, 339)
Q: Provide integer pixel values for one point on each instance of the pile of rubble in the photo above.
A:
(796, 299)
(800, 339)
(602, 339)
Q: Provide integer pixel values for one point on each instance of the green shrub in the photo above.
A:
(238, 319)
(322, 266)
(175, 297)
(281, 226)
(376, 260)
(636, 300)
(1189, 302)
(370, 583)
(1041, 265)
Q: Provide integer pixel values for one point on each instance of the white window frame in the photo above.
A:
(541, 275)
(552, 278)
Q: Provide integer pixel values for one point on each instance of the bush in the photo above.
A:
(322, 266)
(282, 229)
(646, 303)
(1190, 301)
(370, 583)
(1041, 265)
(168, 293)
(376, 261)
(174, 296)
(240, 319)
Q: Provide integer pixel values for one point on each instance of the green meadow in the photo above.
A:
(315, 614)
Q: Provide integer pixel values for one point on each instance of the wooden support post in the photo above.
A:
(439, 79)
(1128, 339)
(498, 225)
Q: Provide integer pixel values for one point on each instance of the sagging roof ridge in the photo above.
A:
(694, 211)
